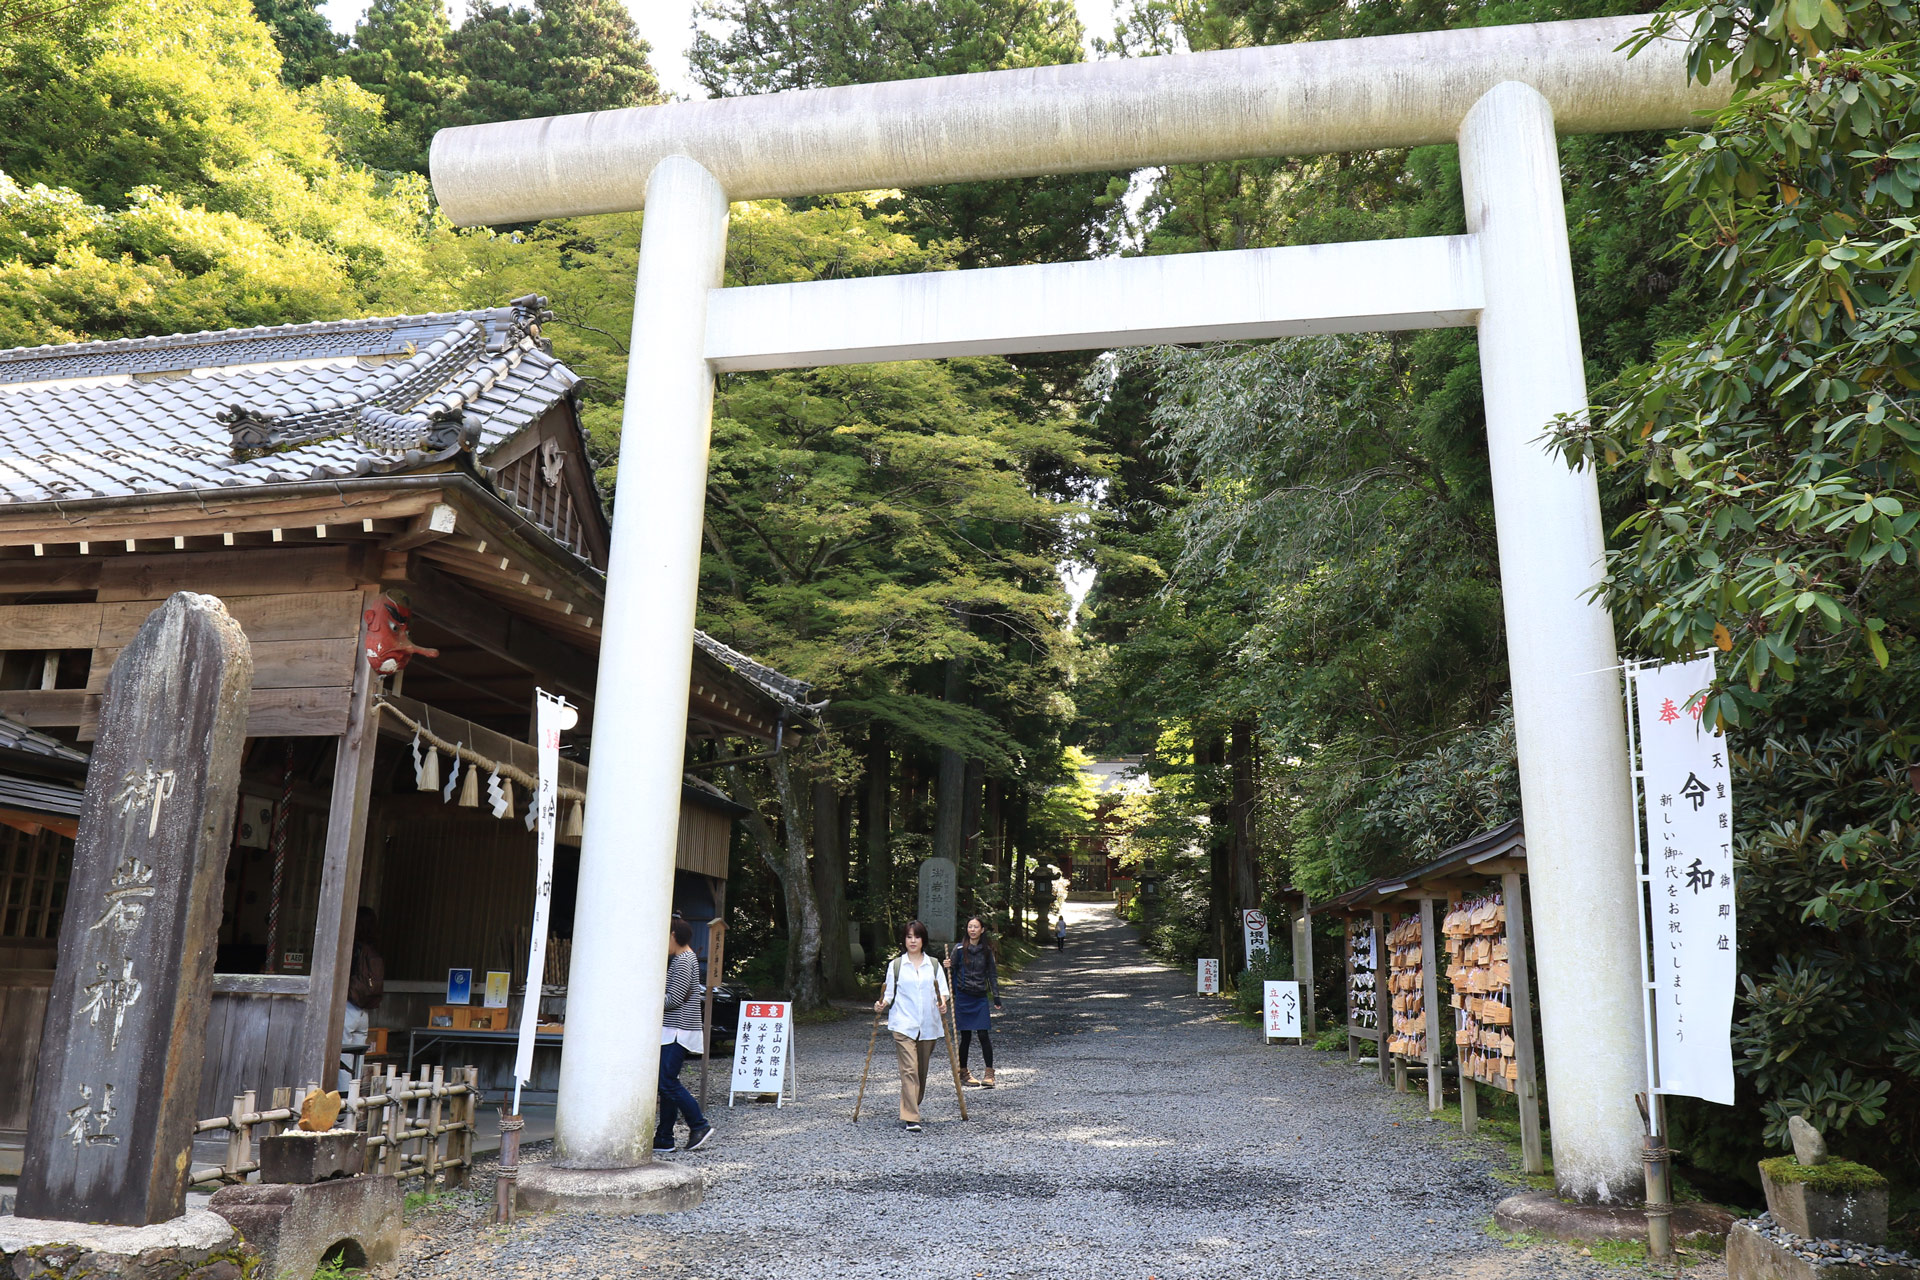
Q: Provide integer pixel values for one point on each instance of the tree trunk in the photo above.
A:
(993, 841)
(875, 833)
(972, 846)
(830, 888)
(1244, 872)
(949, 789)
(1211, 755)
(803, 913)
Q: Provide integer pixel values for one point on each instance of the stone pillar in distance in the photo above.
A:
(111, 1134)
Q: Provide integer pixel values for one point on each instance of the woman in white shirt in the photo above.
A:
(917, 992)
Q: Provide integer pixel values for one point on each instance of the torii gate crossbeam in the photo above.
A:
(1496, 90)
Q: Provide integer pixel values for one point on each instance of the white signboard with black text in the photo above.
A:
(1282, 1000)
(763, 1052)
(1253, 926)
(1688, 804)
(1209, 977)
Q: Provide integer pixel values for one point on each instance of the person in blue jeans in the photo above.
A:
(679, 1036)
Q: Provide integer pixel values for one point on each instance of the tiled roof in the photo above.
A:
(785, 690)
(17, 737)
(167, 414)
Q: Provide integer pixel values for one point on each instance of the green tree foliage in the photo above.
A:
(559, 57)
(1765, 463)
(176, 95)
(402, 52)
(306, 40)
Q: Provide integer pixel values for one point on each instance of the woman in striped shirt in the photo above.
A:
(679, 1036)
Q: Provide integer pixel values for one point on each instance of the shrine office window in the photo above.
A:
(34, 866)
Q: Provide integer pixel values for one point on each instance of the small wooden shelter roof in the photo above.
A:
(1491, 853)
(437, 458)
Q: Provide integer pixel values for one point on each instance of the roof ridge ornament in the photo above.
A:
(410, 408)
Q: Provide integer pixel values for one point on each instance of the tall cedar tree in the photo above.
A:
(559, 57)
(306, 40)
(402, 52)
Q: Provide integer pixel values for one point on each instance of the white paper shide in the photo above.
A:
(1688, 799)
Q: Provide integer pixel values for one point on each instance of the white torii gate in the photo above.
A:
(1501, 93)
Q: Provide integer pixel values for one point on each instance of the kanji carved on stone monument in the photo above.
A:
(112, 1125)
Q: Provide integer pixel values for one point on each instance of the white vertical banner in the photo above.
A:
(552, 717)
(1253, 927)
(1208, 975)
(1687, 797)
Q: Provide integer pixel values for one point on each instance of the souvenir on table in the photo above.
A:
(1480, 971)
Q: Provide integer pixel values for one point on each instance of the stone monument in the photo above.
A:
(111, 1133)
(938, 881)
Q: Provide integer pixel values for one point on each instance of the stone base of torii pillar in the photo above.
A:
(198, 1243)
(647, 1188)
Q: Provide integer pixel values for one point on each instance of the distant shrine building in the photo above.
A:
(414, 489)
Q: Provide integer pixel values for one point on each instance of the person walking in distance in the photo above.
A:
(917, 994)
(976, 979)
(1060, 930)
(679, 1036)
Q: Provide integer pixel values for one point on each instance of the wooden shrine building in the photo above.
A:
(313, 477)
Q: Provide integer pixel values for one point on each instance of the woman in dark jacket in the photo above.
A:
(976, 980)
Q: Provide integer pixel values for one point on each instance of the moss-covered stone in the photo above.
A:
(1835, 1177)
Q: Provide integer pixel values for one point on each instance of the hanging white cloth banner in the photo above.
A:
(552, 717)
(1687, 797)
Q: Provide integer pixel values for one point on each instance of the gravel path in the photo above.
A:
(1133, 1133)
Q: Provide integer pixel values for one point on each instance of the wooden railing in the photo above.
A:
(414, 1127)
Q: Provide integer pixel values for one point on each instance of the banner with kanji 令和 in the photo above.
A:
(1686, 789)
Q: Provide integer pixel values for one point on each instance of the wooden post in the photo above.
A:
(1527, 1087)
(1382, 1004)
(1346, 967)
(282, 1101)
(237, 1135)
(110, 1134)
(1303, 971)
(716, 969)
(1430, 1000)
(434, 1109)
(396, 1123)
(339, 899)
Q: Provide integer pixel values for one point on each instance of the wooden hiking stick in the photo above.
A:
(953, 1057)
(875, 1035)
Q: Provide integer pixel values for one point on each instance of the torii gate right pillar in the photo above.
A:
(1568, 717)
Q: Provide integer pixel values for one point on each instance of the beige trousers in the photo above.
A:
(914, 1057)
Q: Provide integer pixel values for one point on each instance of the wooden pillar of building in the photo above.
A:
(1527, 1087)
(339, 897)
(1430, 1000)
(1382, 1005)
(1469, 1094)
(1303, 969)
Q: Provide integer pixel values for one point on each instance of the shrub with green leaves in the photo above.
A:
(1768, 468)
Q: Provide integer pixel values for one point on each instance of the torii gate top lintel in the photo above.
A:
(1373, 93)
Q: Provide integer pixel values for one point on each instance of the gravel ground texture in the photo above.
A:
(1134, 1132)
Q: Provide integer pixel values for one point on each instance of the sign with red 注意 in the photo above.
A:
(763, 1051)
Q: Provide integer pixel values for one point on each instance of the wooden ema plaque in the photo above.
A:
(111, 1134)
